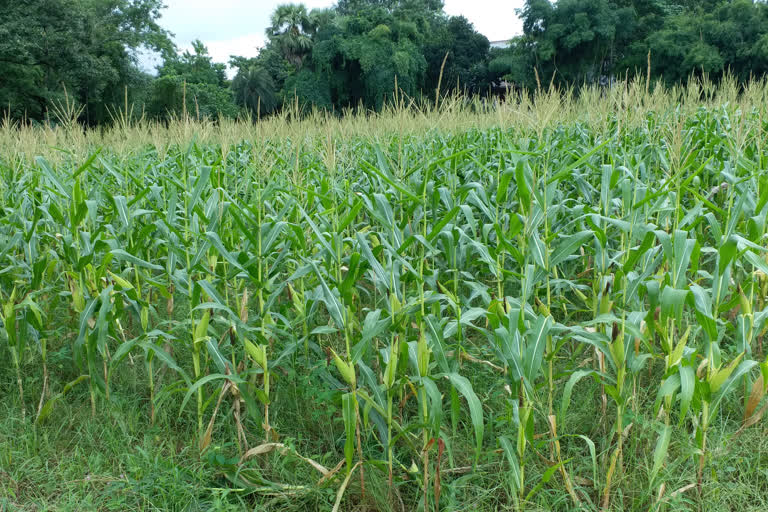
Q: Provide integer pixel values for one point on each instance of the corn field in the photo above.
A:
(560, 300)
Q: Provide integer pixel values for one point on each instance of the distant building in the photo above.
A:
(504, 43)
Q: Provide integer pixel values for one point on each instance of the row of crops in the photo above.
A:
(518, 301)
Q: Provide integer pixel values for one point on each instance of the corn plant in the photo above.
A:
(466, 290)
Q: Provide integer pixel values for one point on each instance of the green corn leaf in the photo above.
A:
(464, 387)
(332, 302)
(47, 408)
(545, 478)
(214, 239)
(514, 464)
(687, 387)
(205, 380)
(381, 275)
(729, 384)
(668, 388)
(660, 453)
(120, 254)
(727, 254)
(719, 377)
(568, 390)
(348, 402)
(52, 176)
(201, 329)
(222, 365)
(537, 341)
(436, 343)
(568, 246)
(538, 251)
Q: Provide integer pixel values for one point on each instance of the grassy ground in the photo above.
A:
(118, 461)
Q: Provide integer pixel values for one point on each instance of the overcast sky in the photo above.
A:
(236, 27)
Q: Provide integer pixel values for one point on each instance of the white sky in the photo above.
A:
(236, 27)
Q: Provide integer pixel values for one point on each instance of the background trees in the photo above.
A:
(354, 53)
(84, 47)
(191, 82)
(588, 41)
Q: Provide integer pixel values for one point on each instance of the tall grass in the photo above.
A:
(458, 282)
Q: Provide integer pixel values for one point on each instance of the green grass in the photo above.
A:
(556, 305)
(120, 462)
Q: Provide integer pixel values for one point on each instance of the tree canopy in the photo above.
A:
(357, 52)
(85, 47)
(592, 41)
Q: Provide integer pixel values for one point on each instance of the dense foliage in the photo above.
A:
(50, 48)
(591, 41)
(355, 54)
(567, 310)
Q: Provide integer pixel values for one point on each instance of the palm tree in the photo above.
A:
(292, 30)
(254, 89)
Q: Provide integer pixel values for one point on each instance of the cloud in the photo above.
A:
(495, 19)
(245, 46)
(222, 19)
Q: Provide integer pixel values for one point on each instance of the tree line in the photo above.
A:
(357, 53)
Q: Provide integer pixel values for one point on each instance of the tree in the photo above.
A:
(467, 56)
(84, 46)
(372, 46)
(191, 82)
(194, 67)
(349, 7)
(733, 37)
(578, 41)
(291, 29)
(254, 89)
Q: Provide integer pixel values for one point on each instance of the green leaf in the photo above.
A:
(673, 302)
(537, 341)
(367, 166)
(730, 384)
(47, 408)
(568, 246)
(514, 464)
(660, 453)
(756, 261)
(351, 215)
(523, 188)
(214, 239)
(381, 275)
(503, 186)
(545, 478)
(568, 390)
(719, 377)
(464, 387)
(435, 337)
(687, 386)
(318, 234)
(203, 181)
(205, 380)
(213, 349)
(121, 204)
(87, 164)
(332, 303)
(538, 251)
(668, 388)
(437, 228)
(567, 170)
(727, 253)
(348, 402)
(51, 175)
(130, 258)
